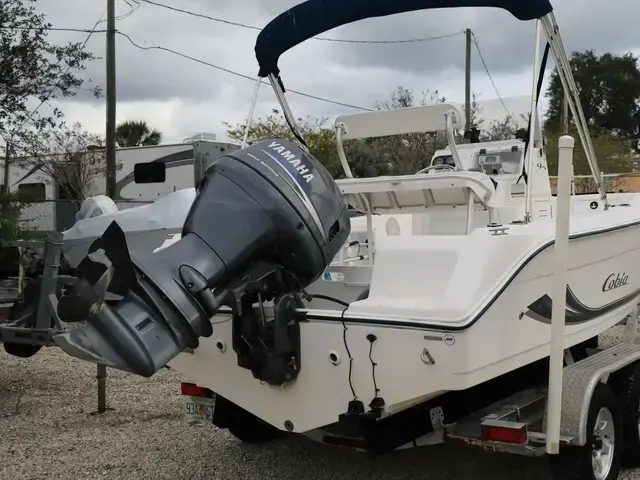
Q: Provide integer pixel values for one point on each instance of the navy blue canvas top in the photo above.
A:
(313, 17)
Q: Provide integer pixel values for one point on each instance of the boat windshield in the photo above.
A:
(499, 163)
(444, 160)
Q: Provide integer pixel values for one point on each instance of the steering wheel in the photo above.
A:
(442, 166)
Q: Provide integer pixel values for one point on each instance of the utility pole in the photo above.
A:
(467, 81)
(111, 99)
(101, 373)
(7, 161)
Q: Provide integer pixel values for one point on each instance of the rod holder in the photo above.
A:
(560, 274)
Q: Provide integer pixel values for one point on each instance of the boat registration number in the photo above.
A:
(199, 409)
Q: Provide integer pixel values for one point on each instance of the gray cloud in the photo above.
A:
(154, 74)
(505, 42)
(182, 97)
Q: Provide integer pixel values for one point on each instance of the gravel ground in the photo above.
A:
(47, 431)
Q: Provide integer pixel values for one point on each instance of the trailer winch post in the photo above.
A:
(561, 262)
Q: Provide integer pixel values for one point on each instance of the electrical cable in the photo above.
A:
(486, 68)
(344, 332)
(346, 346)
(232, 72)
(325, 39)
(372, 338)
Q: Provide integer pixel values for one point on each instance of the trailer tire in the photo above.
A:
(626, 385)
(576, 462)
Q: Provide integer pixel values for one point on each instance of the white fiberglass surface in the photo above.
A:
(447, 278)
(167, 212)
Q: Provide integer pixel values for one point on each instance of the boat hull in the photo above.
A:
(419, 358)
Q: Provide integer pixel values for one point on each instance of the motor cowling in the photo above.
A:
(265, 223)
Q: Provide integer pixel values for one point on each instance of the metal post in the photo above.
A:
(570, 88)
(561, 264)
(528, 201)
(286, 110)
(467, 81)
(101, 373)
(254, 100)
(101, 376)
(52, 254)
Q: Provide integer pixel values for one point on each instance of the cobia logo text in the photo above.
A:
(296, 163)
(615, 280)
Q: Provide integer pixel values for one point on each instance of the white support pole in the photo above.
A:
(370, 235)
(470, 210)
(561, 250)
(451, 140)
(341, 155)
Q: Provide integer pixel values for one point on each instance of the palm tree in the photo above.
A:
(136, 133)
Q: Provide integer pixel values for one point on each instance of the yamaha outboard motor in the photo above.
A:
(265, 223)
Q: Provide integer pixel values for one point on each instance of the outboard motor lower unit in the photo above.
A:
(265, 223)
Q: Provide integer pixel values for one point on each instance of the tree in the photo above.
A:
(320, 138)
(11, 226)
(32, 68)
(69, 157)
(392, 155)
(609, 89)
(504, 129)
(612, 153)
(137, 133)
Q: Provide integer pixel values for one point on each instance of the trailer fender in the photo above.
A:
(579, 381)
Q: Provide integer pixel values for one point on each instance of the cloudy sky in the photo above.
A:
(181, 97)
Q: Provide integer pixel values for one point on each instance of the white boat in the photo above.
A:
(459, 289)
(146, 226)
(444, 289)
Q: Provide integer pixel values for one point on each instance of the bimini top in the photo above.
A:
(313, 17)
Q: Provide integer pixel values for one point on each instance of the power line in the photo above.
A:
(325, 39)
(135, 6)
(486, 68)
(188, 57)
(232, 72)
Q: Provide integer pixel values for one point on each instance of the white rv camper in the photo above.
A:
(144, 175)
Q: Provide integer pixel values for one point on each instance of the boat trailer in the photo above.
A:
(33, 319)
